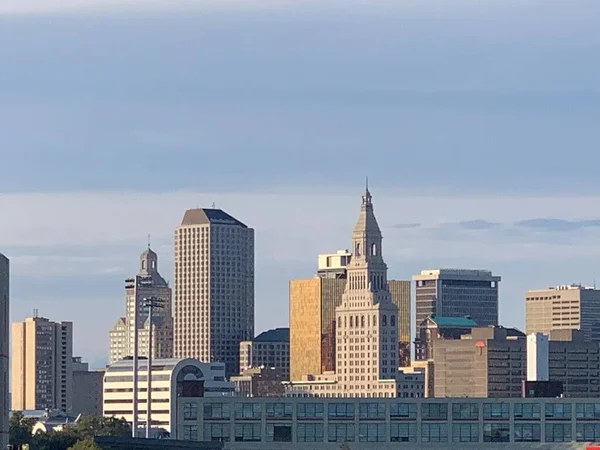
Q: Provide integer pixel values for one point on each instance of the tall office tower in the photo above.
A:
(457, 293)
(366, 329)
(214, 287)
(312, 316)
(4, 321)
(146, 284)
(42, 365)
(567, 307)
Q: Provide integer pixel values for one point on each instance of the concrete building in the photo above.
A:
(567, 307)
(269, 349)
(146, 284)
(4, 339)
(214, 287)
(538, 351)
(456, 293)
(260, 382)
(312, 316)
(438, 327)
(42, 365)
(390, 424)
(365, 324)
(171, 379)
(87, 389)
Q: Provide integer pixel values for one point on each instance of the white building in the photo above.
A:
(538, 351)
(171, 378)
(366, 324)
(214, 287)
(4, 326)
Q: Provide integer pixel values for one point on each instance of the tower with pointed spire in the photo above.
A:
(147, 283)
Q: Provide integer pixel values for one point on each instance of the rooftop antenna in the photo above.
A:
(367, 183)
(35, 312)
(213, 205)
(148, 241)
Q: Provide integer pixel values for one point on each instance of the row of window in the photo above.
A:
(373, 410)
(399, 432)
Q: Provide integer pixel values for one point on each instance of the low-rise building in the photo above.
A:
(260, 382)
(269, 349)
(171, 379)
(389, 424)
(438, 327)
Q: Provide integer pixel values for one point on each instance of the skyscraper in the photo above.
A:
(146, 284)
(214, 287)
(4, 322)
(457, 293)
(365, 323)
(42, 365)
(567, 307)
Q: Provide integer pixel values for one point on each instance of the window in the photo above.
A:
(496, 432)
(247, 432)
(403, 411)
(310, 411)
(190, 411)
(384, 320)
(434, 432)
(357, 252)
(371, 411)
(374, 249)
(279, 410)
(340, 410)
(371, 432)
(309, 432)
(190, 432)
(279, 432)
(403, 432)
(216, 411)
(587, 410)
(393, 320)
(434, 411)
(588, 432)
(527, 411)
(217, 432)
(558, 432)
(465, 411)
(558, 411)
(495, 410)
(465, 432)
(247, 411)
(341, 432)
(527, 432)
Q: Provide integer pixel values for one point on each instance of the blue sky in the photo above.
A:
(477, 123)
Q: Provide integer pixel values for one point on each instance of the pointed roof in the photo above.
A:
(203, 216)
(366, 220)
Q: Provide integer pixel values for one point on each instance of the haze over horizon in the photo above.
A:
(475, 122)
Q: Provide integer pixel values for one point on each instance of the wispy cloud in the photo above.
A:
(477, 224)
(403, 226)
(557, 225)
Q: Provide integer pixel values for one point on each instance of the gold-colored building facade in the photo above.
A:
(312, 323)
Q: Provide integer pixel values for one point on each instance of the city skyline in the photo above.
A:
(492, 99)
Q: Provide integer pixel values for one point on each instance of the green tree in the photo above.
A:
(86, 444)
(54, 440)
(88, 427)
(20, 429)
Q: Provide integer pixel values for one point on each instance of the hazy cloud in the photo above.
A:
(403, 226)
(478, 224)
(558, 225)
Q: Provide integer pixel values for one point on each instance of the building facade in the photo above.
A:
(567, 307)
(386, 424)
(260, 382)
(42, 365)
(312, 312)
(269, 349)
(171, 379)
(4, 339)
(87, 389)
(456, 293)
(438, 327)
(214, 287)
(365, 323)
(148, 283)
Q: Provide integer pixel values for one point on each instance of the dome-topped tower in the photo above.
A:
(149, 267)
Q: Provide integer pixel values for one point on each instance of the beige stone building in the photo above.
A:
(270, 349)
(42, 365)
(567, 307)
(146, 284)
(365, 324)
(214, 287)
(312, 316)
(4, 327)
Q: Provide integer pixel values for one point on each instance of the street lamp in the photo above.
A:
(150, 303)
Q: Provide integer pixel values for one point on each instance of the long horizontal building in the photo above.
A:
(386, 424)
(171, 378)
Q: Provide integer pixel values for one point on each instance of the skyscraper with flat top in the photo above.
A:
(42, 365)
(214, 287)
(4, 322)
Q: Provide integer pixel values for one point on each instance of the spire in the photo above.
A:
(367, 199)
